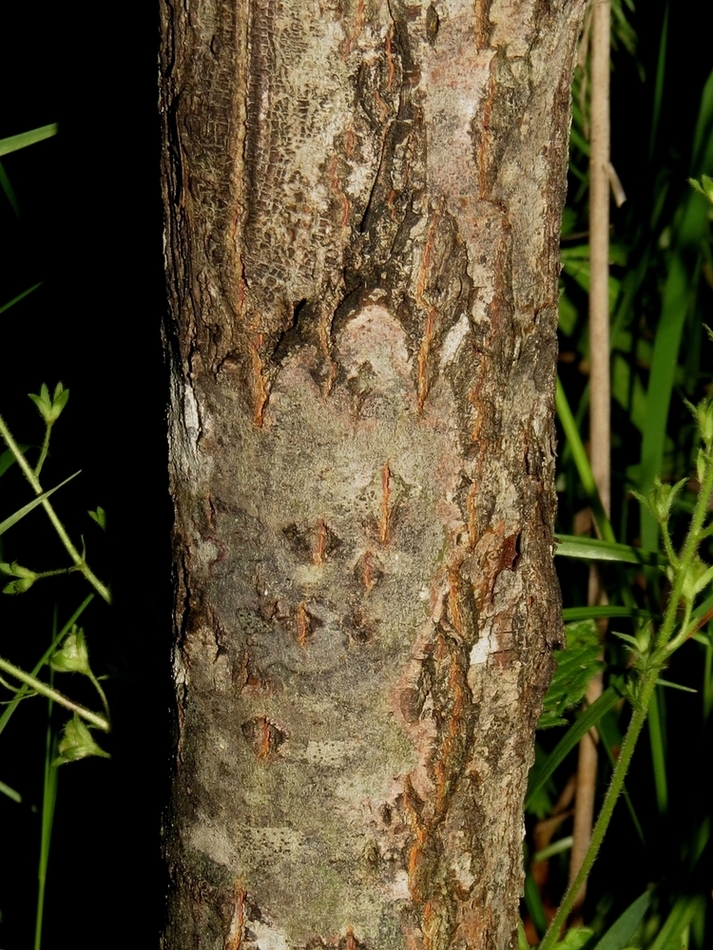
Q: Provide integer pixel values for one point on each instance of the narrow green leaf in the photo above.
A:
(670, 685)
(658, 753)
(624, 927)
(557, 847)
(591, 549)
(26, 509)
(609, 698)
(677, 921)
(6, 186)
(10, 792)
(581, 461)
(570, 614)
(15, 142)
(11, 303)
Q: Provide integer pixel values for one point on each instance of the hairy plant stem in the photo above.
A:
(29, 474)
(662, 648)
(43, 689)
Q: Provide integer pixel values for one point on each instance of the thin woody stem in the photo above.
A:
(29, 474)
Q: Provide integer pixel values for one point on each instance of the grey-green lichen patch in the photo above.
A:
(353, 509)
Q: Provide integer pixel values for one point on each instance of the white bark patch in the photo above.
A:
(376, 337)
(267, 938)
(453, 340)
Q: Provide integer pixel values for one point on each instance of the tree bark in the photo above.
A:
(362, 205)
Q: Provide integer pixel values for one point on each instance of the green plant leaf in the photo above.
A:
(14, 142)
(99, 516)
(26, 509)
(77, 743)
(570, 614)
(576, 665)
(11, 303)
(592, 549)
(539, 775)
(623, 928)
(10, 792)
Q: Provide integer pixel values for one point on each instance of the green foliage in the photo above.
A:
(576, 665)
(67, 653)
(654, 554)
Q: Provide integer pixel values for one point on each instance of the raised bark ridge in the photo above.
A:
(363, 206)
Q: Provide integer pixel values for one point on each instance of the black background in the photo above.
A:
(91, 231)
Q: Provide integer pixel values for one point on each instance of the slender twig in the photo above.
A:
(99, 721)
(663, 645)
(600, 390)
(29, 474)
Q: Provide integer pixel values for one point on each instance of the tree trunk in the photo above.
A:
(362, 203)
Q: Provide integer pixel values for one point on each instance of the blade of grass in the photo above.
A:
(584, 469)
(591, 549)
(691, 228)
(611, 739)
(15, 142)
(624, 927)
(589, 718)
(658, 754)
(6, 186)
(10, 792)
(49, 800)
(569, 614)
(26, 509)
(659, 84)
(533, 902)
(11, 303)
(677, 921)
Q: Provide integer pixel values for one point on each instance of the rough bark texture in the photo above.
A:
(363, 201)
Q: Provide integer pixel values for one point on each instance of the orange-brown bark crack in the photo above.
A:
(385, 506)
(234, 937)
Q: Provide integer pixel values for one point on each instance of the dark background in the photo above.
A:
(91, 231)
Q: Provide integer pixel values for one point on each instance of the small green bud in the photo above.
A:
(643, 638)
(704, 187)
(50, 408)
(99, 516)
(697, 577)
(701, 463)
(661, 499)
(25, 577)
(77, 743)
(73, 656)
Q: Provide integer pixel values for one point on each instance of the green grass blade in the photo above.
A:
(7, 458)
(10, 792)
(590, 717)
(11, 303)
(533, 902)
(659, 84)
(49, 800)
(676, 301)
(623, 928)
(691, 228)
(581, 461)
(570, 614)
(6, 186)
(704, 126)
(683, 911)
(15, 142)
(591, 549)
(658, 752)
(611, 739)
(26, 509)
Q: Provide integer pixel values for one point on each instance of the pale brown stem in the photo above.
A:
(599, 412)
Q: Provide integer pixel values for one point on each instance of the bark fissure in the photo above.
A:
(362, 203)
